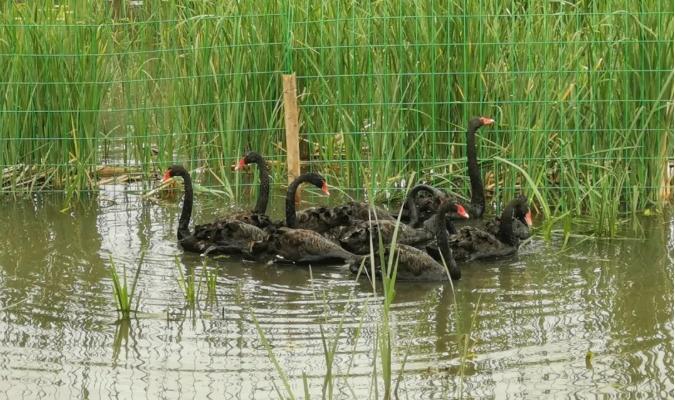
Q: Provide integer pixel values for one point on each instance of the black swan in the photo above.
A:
(304, 245)
(318, 219)
(477, 205)
(321, 219)
(258, 216)
(222, 237)
(364, 211)
(427, 205)
(356, 239)
(472, 243)
(520, 225)
(264, 176)
(359, 212)
(421, 208)
(426, 201)
(416, 265)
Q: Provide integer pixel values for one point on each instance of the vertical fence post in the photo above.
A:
(292, 128)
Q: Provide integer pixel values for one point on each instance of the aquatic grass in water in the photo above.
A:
(466, 348)
(270, 353)
(187, 284)
(211, 278)
(384, 342)
(122, 293)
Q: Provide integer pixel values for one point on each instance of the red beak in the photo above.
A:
(167, 176)
(324, 188)
(240, 165)
(528, 219)
(487, 121)
(462, 212)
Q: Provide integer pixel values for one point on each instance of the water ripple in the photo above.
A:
(592, 320)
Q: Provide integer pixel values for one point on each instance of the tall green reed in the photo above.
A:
(385, 88)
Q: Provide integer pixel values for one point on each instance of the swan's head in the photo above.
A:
(249, 158)
(450, 205)
(318, 181)
(478, 122)
(461, 211)
(174, 170)
(521, 210)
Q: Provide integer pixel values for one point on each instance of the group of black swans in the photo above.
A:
(427, 239)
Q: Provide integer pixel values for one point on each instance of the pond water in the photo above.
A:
(592, 320)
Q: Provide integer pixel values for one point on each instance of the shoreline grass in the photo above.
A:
(582, 95)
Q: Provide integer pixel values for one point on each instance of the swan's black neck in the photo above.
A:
(505, 234)
(477, 196)
(410, 201)
(290, 198)
(264, 194)
(186, 213)
(442, 239)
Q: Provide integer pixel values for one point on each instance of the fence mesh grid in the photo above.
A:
(582, 92)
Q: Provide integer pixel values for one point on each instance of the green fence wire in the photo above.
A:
(582, 92)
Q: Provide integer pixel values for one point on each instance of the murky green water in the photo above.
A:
(516, 328)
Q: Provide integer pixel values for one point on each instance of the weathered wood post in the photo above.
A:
(292, 128)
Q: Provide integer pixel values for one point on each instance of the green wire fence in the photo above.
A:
(582, 92)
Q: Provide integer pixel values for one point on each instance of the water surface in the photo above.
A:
(516, 328)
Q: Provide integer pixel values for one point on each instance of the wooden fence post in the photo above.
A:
(292, 128)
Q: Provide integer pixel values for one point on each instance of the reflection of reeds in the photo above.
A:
(384, 351)
(465, 345)
(122, 331)
(187, 284)
(268, 347)
(385, 88)
(210, 276)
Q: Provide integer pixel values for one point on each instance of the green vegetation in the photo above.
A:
(123, 294)
(581, 91)
(187, 284)
(211, 278)
(385, 339)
